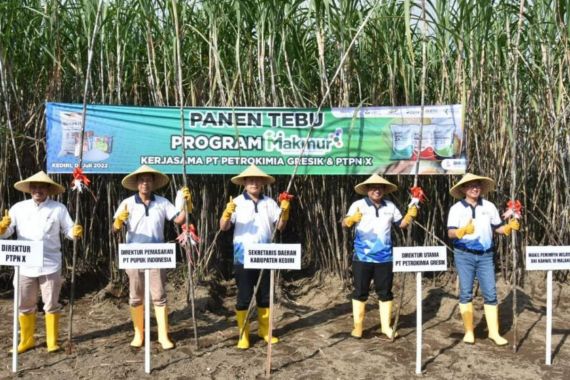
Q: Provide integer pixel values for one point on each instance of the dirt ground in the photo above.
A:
(314, 321)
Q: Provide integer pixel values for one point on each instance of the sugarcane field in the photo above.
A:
(304, 189)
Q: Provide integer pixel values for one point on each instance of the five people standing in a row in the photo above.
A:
(255, 217)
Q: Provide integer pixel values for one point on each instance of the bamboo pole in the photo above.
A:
(77, 199)
(187, 246)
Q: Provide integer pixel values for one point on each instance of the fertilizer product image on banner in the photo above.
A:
(443, 140)
(402, 143)
(70, 128)
(427, 142)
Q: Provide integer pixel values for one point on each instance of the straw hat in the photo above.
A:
(252, 171)
(130, 181)
(487, 184)
(40, 177)
(375, 179)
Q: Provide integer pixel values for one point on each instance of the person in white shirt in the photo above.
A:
(254, 217)
(373, 218)
(40, 219)
(471, 224)
(144, 215)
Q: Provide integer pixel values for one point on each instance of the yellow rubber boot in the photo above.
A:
(161, 315)
(358, 308)
(52, 330)
(137, 315)
(385, 318)
(27, 329)
(466, 310)
(243, 329)
(263, 325)
(492, 317)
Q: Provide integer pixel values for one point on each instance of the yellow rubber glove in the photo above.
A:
(5, 222)
(355, 218)
(230, 209)
(122, 218)
(77, 231)
(466, 230)
(512, 225)
(411, 214)
(188, 197)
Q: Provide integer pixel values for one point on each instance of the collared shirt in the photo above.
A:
(486, 219)
(254, 222)
(146, 223)
(373, 241)
(41, 222)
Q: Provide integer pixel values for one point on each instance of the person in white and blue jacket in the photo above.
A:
(471, 223)
(373, 218)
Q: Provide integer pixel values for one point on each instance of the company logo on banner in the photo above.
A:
(341, 141)
(420, 259)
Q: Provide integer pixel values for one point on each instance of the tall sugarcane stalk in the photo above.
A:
(188, 246)
(513, 190)
(7, 110)
(80, 164)
(417, 163)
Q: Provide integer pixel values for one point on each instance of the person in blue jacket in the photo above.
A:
(373, 217)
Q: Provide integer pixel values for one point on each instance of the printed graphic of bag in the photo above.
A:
(437, 141)
(70, 127)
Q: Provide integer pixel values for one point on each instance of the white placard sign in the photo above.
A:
(272, 256)
(547, 257)
(147, 255)
(420, 259)
(23, 253)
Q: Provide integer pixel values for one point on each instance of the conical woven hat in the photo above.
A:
(375, 179)
(487, 185)
(252, 171)
(39, 177)
(130, 181)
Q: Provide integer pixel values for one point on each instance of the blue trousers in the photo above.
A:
(470, 265)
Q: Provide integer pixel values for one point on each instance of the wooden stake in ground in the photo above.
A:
(270, 328)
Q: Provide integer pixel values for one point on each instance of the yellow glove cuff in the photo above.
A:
(349, 221)
(227, 215)
(460, 232)
(3, 229)
(118, 224)
(77, 231)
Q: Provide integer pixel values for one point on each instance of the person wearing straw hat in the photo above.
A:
(40, 219)
(373, 217)
(471, 223)
(254, 217)
(144, 215)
